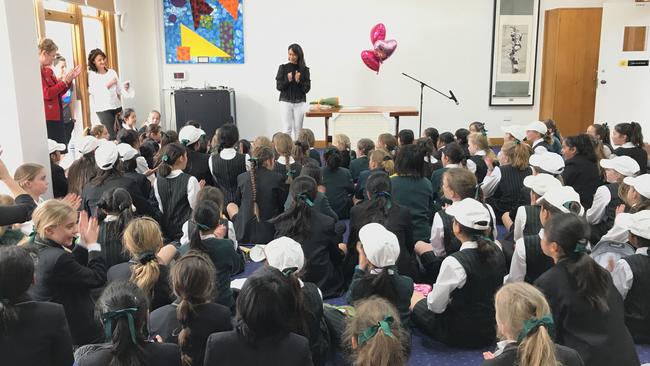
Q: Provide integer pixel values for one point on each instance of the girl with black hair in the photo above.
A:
(131, 138)
(445, 139)
(293, 82)
(433, 134)
(364, 148)
(601, 131)
(25, 339)
(265, 327)
(461, 138)
(379, 207)
(459, 310)
(581, 168)
(321, 203)
(131, 158)
(206, 219)
(477, 127)
(452, 156)
(123, 310)
(114, 214)
(556, 137)
(175, 190)
(191, 319)
(410, 189)
(317, 235)
(338, 183)
(226, 163)
(244, 147)
(194, 140)
(628, 140)
(587, 310)
(260, 196)
(431, 156)
(405, 137)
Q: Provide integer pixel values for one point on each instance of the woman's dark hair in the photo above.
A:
(446, 138)
(125, 136)
(461, 136)
(487, 249)
(16, 275)
(168, 157)
(583, 145)
(168, 137)
(602, 131)
(192, 278)
(148, 151)
(244, 146)
(365, 146)
(115, 201)
(478, 126)
(378, 188)
(632, 131)
(91, 58)
(455, 153)
(295, 221)
(227, 136)
(300, 152)
(552, 129)
(406, 137)
(409, 160)
(102, 175)
(297, 50)
(568, 231)
(333, 158)
(205, 217)
(314, 171)
(121, 295)
(433, 134)
(82, 171)
(282, 311)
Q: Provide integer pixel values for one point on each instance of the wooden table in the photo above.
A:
(395, 112)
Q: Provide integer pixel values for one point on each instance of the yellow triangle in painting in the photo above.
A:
(199, 46)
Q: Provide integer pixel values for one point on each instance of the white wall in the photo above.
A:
(445, 43)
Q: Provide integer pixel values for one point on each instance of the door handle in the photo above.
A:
(603, 82)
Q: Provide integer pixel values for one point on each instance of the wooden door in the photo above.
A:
(569, 68)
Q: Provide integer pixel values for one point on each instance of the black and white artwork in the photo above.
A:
(514, 49)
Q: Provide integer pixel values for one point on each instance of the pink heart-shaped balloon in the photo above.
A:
(377, 33)
(385, 49)
(371, 60)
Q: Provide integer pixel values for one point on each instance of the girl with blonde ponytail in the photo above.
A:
(525, 326)
(142, 239)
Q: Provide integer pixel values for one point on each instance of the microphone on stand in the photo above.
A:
(453, 97)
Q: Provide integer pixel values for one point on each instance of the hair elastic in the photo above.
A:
(304, 196)
(146, 257)
(531, 326)
(371, 331)
(288, 271)
(108, 317)
(165, 158)
(581, 246)
(386, 195)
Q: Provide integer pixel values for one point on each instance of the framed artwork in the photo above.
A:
(203, 31)
(514, 52)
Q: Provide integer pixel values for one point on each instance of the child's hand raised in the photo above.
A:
(73, 200)
(88, 229)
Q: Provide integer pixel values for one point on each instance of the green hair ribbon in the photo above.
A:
(371, 331)
(581, 247)
(165, 158)
(185, 142)
(108, 317)
(291, 173)
(288, 271)
(202, 226)
(386, 195)
(253, 160)
(531, 326)
(305, 197)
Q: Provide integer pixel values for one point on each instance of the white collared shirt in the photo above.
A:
(490, 182)
(282, 160)
(623, 277)
(596, 212)
(627, 145)
(537, 142)
(437, 239)
(127, 127)
(520, 223)
(229, 153)
(185, 239)
(193, 188)
(518, 264)
(452, 276)
(106, 98)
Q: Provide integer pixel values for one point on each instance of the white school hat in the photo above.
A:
(87, 144)
(547, 161)
(641, 184)
(516, 131)
(53, 146)
(541, 183)
(106, 155)
(126, 151)
(625, 165)
(281, 253)
(380, 245)
(636, 223)
(189, 135)
(560, 197)
(470, 213)
(537, 126)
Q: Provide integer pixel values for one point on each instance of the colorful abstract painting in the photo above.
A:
(204, 31)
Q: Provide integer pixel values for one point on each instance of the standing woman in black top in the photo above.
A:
(25, 339)
(226, 163)
(581, 168)
(628, 140)
(587, 310)
(293, 83)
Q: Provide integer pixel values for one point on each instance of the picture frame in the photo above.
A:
(514, 52)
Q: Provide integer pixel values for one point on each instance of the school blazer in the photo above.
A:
(565, 355)
(92, 194)
(232, 349)
(35, 342)
(155, 354)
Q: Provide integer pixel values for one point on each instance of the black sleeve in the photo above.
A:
(408, 231)
(305, 81)
(282, 83)
(59, 182)
(69, 272)
(19, 212)
(62, 342)
(336, 255)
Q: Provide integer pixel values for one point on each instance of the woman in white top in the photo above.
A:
(106, 89)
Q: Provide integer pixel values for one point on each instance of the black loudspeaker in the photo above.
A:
(211, 108)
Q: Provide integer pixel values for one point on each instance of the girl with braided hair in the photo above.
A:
(191, 319)
(260, 196)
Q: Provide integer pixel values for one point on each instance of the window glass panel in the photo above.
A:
(56, 5)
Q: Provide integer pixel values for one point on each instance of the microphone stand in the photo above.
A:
(422, 85)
